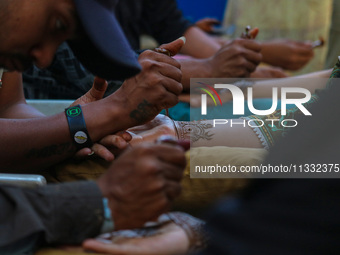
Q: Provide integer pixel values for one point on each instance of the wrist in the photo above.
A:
(77, 127)
(121, 108)
(139, 106)
(268, 52)
(104, 117)
(208, 70)
(264, 51)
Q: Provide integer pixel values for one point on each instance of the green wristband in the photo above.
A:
(77, 127)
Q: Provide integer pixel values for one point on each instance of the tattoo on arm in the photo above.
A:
(143, 112)
(49, 151)
(194, 130)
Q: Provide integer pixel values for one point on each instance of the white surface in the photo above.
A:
(50, 107)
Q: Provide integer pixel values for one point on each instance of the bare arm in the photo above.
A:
(264, 88)
(32, 140)
(23, 129)
(311, 81)
(237, 59)
(199, 44)
(288, 54)
(12, 101)
(39, 142)
(200, 133)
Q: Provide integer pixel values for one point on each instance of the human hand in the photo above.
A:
(287, 54)
(250, 33)
(95, 93)
(207, 24)
(239, 58)
(268, 72)
(175, 233)
(221, 41)
(110, 145)
(152, 130)
(156, 88)
(170, 240)
(142, 183)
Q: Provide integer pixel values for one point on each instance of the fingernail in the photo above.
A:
(183, 39)
(90, 154)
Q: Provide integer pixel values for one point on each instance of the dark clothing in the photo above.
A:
(159, 19)
(66, 78)
(278, 217)
(64, 213)
(288, 216)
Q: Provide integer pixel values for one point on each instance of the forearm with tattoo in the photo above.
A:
(143, 112)
(49, 151)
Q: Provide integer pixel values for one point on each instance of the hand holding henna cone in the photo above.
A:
(171, 49)
(318, 43)
(250, 33)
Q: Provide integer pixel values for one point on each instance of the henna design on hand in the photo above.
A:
(194, 131)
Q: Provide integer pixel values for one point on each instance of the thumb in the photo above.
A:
(173, 48)
(98, 89)
(95, 93)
